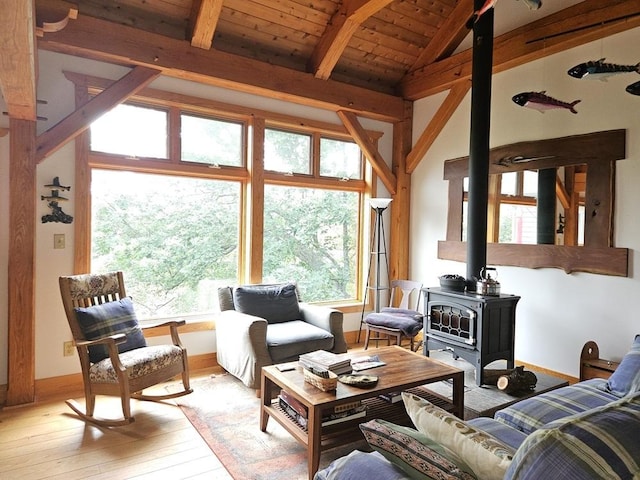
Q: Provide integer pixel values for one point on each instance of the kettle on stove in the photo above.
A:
(487, 285)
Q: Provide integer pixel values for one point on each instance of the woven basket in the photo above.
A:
(324, 384)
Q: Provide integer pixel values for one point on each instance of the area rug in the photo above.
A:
(227, 416)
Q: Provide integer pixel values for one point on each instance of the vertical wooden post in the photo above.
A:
(400, 207)
(22, 226)
(255, 197)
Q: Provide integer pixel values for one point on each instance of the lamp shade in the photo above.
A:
(379, 202)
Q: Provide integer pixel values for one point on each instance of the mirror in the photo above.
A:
(587, 219)
(535, 206)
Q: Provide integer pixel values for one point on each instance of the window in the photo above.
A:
(178, 228)
(211, 141)
(131, 130)
(310, 236)
(287, 152)
(175, 238)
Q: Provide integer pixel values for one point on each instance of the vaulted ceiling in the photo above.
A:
(367, 56)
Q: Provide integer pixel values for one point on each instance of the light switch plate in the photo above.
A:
(58, 240)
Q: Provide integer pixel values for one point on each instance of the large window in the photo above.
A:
(175, 238)
(175, 217)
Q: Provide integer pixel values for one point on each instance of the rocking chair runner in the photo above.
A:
(113, 354)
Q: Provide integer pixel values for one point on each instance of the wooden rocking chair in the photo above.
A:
(113, 353)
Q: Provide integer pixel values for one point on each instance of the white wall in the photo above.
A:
(51, 325)
(558, 312)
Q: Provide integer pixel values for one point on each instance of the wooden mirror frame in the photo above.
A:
(599, 151)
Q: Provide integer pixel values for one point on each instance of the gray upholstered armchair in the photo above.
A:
(262, 325)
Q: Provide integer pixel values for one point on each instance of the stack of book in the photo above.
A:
(341, 413)
(323, 360)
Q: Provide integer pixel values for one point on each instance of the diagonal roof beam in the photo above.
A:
(78, 121)
(340, 29)
(359, 134)
(18, 59)
(574, 26)
(450, 34)
(204, 19)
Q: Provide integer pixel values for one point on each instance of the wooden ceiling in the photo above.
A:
(366, 56)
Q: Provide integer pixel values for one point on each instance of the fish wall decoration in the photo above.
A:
(489, 4)
(634, 88)
(599, 70)
(541, 101)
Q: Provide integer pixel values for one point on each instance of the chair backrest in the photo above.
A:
(406, 290)
(87, 290)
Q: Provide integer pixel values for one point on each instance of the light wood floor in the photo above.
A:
(46, 441)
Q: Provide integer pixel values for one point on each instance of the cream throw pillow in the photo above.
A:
(488, 457)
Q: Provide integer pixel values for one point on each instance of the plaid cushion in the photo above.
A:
(626, 378)
(599, 443)
(100, 321)
(532, 413)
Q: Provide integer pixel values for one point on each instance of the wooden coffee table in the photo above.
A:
(404, 370)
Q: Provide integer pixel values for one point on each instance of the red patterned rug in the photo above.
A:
(227, 416)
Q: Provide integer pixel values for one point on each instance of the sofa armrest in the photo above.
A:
(241, 345)
(329, 319)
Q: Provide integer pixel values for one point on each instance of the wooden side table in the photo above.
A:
(592, 366)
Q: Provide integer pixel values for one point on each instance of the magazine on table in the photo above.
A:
(364, 363)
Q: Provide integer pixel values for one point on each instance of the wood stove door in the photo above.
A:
(451, 322)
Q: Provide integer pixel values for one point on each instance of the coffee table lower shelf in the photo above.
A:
(348, 431)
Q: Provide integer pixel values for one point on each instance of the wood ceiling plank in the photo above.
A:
(205, 19)
(100, 40)
(81, 119)
(450, 34)
(574, 26)
(18, 59)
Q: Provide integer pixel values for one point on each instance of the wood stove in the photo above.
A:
(478, 328)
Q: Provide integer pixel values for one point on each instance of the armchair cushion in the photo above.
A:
(109, 318)
(274, 303)
(292, 339)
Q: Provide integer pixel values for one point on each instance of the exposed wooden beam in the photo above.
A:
(105, 41)
(343, 24)
(18, 59)
(437, 123)
(80, 119)
(360, 136)
(205, 17)
(574, 26)
(21, 271)
(450, 34)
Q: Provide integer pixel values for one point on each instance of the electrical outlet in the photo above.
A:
(68, 349)
(58, 240)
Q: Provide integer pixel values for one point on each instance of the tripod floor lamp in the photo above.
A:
(378, 259)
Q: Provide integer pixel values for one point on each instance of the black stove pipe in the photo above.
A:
(479, 144)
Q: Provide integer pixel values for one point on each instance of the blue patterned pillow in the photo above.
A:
(626, 378)
(100, 321)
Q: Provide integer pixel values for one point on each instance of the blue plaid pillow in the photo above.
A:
(626, 378)
(107, 319)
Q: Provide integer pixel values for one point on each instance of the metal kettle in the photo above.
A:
(487, 285)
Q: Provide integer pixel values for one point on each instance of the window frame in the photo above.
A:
(251, 176)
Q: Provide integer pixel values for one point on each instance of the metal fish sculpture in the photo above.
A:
(599, 70)
(541, 102)
(634, 88)
(478, 13)
(533, 4)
